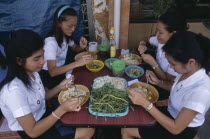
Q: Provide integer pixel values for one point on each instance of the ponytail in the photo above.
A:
(174, 21)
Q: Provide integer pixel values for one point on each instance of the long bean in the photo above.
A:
(108, 99)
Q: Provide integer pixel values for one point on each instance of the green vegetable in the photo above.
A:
(108, 99)
(94, 65)
(134, 72)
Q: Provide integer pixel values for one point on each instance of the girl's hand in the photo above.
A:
(83, 43)
(142, 47)
(66, 82)
(149, 59)
(137, 97)
(152, 77)
(71, 104)
(85, 60)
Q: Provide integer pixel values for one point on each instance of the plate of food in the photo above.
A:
(109, 97)
(78, 56)
(150, 92)
(77, 90)
(131, 59)
(119, 83)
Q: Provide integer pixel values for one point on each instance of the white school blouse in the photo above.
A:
(192, 93)
(161, 58)
(53, 52)
(17, 100)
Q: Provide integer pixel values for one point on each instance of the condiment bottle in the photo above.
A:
(112, 43)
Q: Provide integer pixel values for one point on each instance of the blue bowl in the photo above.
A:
(134, 67)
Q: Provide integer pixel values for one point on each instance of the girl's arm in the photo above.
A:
(53, 92)
(161, 83)
(82, 45)
(163, 75)
(175, 126)
(35, 129)
(54, 70)
(76, 48)
(159, 72)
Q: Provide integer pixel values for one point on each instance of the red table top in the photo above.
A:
(138, 117)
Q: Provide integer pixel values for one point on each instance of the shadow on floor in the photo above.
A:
(107, 133)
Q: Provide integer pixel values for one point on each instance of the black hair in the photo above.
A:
(56, 30)
(173, 21)
(185, 45)
(20, 44)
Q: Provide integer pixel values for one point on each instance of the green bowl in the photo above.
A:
(103, 47)
(109, 62)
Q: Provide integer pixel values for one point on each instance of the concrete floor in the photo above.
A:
(204, 131)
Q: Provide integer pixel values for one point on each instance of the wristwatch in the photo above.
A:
(155, 66)
(149, 107)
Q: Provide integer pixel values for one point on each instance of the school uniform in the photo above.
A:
(63, 56)
(161, 58)
(17, 100)
(192, 93)
(54, 52)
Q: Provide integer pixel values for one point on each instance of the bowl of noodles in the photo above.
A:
(77, 90)
(150, 92)
(131, 59)
(78, 56)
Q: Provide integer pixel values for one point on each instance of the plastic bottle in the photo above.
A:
(112, 43)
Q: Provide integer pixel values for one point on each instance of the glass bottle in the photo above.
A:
(112, 43)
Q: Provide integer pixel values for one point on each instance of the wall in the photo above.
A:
(100, 13)
(139, 31)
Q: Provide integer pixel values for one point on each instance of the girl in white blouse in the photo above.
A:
(59, 47)
(167, 25)
(22, 95)
(188, 54)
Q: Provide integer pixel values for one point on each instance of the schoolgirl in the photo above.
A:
(167, 25)
(188, 55)
(22, 95)
(60, 48)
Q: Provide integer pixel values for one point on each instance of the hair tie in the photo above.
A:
(62, 9)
